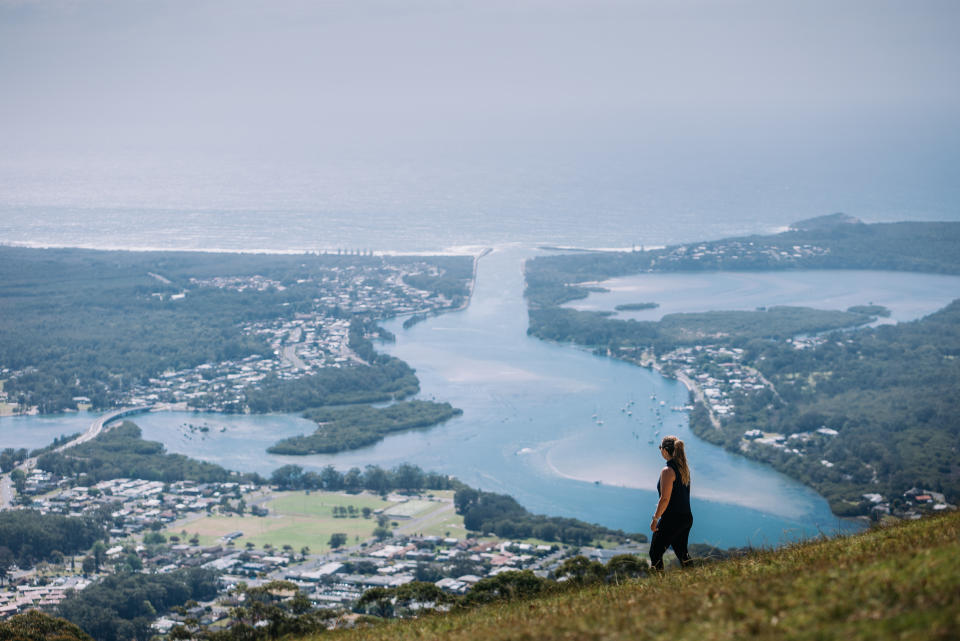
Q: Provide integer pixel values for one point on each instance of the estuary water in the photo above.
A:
(564, 431)
(908, 296)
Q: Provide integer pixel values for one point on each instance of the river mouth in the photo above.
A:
(566, 432)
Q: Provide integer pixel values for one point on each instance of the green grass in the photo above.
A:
(296, 518)
(320, 503)
(898, 582)
(277, 530)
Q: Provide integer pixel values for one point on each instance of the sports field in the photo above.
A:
(303, 519)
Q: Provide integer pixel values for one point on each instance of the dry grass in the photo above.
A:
(900, 582)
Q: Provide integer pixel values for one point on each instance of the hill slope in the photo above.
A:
(899, 582)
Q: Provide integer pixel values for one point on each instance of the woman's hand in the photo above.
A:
(653, 525)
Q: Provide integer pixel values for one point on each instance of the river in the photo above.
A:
(528, 427)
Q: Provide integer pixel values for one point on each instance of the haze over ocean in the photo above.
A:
(427, 125)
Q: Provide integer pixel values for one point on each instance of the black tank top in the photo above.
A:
(679, 504)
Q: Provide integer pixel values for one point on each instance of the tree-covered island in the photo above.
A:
(352, 427)
(636, 307)
(867, 416)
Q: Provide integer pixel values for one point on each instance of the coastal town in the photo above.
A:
(337, 546)
(732, 253)
(716, 375)
(313, 338)
(237, 531)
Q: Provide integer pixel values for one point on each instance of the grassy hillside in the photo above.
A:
(900, 582)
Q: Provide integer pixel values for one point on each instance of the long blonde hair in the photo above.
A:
(674, 448)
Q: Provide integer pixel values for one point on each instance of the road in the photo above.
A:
(416, 524)
(6, 492)
(6, 485)
(764, 380)
(698, 394)
(97, 426)
(288, 355)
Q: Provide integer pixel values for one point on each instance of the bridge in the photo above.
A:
(97, 426)
(6, 486)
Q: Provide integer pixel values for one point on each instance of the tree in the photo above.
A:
(133, 561)
(288, 477)
(376, 479)
(37, 626)
(382, 533)
(6, 562)
(580, 569)
(419, 593)
(625, 566)
(99, 554)
(377, 601)
(337, 539)
(464, 499)
(154, 538)
(19, 478)
(353, 479)
(331, 478)
(426, 572)
(89, 565)
(506, 586)
(408, 477)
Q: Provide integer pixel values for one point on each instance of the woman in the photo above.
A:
(673, 519)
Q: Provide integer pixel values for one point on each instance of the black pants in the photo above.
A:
(671, 532)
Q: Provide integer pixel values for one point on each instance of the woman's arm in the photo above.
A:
(667, 476)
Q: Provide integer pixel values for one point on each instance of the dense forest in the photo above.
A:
(120, 452)
(348, 428)
(596, 329)
(404, 478)
(501, 514)
(34, 625)
(635, 307)
(85, 323)
(383, 381)
(121, 607)
(890, 392)
(29, 536)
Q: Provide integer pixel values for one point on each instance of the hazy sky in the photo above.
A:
(345, 94)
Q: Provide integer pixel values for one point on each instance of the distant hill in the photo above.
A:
(899, 582)
(825, 222)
